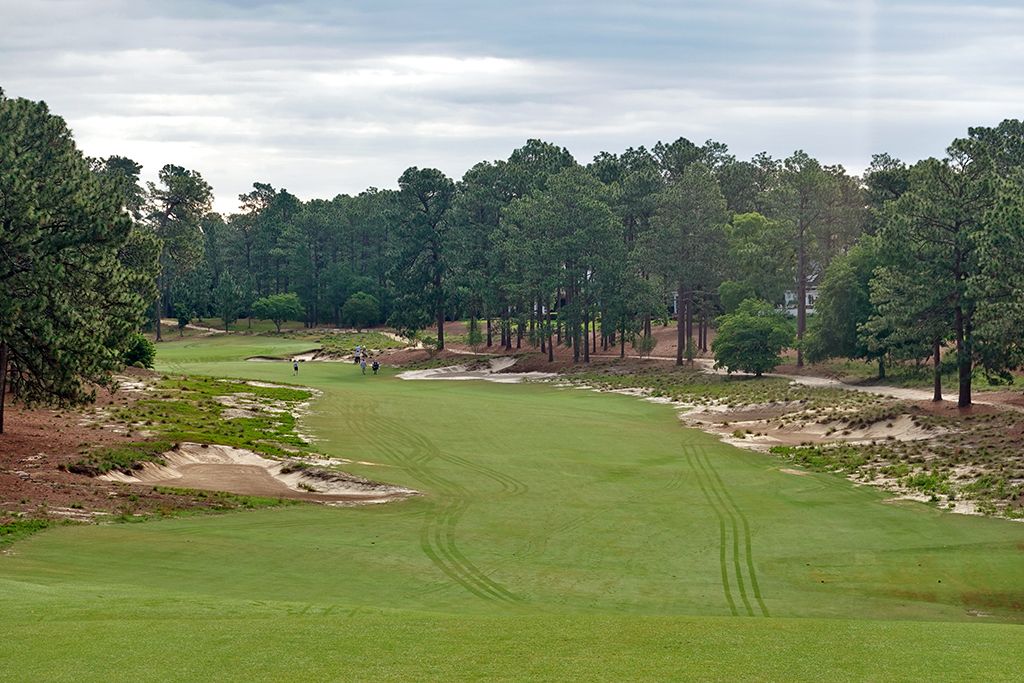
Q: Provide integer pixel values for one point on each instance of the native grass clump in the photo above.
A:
(201, 410)
(345, 343)
(699, 388)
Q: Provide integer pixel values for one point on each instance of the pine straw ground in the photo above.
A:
(47, 457)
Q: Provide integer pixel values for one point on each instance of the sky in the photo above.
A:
(327, 97)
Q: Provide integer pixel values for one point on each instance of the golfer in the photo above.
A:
(362, 364)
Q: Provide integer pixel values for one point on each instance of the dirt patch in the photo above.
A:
(1007, 600)
(798, 473)
(240, 471)
(37, 443)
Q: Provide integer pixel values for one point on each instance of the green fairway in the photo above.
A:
(561, 534)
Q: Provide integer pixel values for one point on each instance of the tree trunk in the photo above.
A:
(490, 332)
(551, 348)
(963, 357)
(622, 343)
(558, 321)
(439, 307)
(159, 308)
(689, 326)
(937, 361)
(586, 340)
(881, 367)
(533, 323)
(801, 297)
(440, 329)
(680, 324)
(3, 383)
(519, 334)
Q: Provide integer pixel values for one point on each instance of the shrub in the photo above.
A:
(644, 344)
(140, 352)
(430, 344)
(475, 338)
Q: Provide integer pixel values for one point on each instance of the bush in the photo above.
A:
(475, 338)
(361, 310)
(752, 339)
(430, 344)
(140, 352)
(644, 344)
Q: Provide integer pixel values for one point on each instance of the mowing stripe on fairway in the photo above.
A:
(437, 535)
(722, 545)
(751, 573)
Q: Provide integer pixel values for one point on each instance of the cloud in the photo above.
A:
(330, 97)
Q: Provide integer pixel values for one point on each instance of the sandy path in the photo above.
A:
(903, 393)
(173, 322)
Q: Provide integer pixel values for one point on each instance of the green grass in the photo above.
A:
(17, 529)
(562, 534)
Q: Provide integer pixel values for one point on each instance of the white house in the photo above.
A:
(790, 306)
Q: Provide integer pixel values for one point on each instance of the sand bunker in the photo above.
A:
(761, 428)
(236, 470)
(318, 355)
(493, 371)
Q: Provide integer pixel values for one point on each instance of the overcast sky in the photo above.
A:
(325, 97)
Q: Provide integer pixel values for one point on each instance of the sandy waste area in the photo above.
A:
(241, 471)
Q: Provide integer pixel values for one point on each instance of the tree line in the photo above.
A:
(536, 247)
(909, 261)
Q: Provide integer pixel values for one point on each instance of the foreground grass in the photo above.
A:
(562, 535)
(388, 646)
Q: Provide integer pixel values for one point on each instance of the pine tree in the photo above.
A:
(69, 304)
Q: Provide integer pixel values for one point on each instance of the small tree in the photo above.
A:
(228, 299)
(644, 344)
(361, 310)
(278, 308)
(140, 352)
(752, 338)
(430, 344)
(475, 338)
